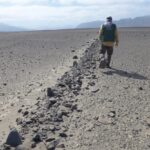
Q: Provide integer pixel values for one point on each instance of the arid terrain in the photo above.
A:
(87, 108)
(31, 61)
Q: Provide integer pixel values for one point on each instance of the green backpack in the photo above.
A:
(108, 34)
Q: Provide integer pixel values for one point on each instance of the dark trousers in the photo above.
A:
(109, 50)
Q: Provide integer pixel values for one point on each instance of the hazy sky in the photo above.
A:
(60, 13)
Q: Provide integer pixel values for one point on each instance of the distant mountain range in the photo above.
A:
(128, 22)
(8, 28)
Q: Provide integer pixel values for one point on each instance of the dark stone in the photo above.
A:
(51, 102)
(25, 113)
(75, 57)
(94, 76)
(75, 64)
(140, 88)
(62, 85)
(112, 114)
(68, 105)
(14, 138)
(64, 113)
(50, 139)
(91, 83)
(50, 92)
(33, 145)
(59, 115)
(20, 110)
(37, 138)
(73, 51)
(4, 84)
(52, 128)
(74, 107)
(95, 91)
(64, 135)
(75, 92)
(79, 110)
(38, 98)
(6, 147)
(52, 145)
(57, 119)
(57, 128)
(28, 121)
(19, 121)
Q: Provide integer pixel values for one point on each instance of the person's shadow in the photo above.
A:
(123, 73)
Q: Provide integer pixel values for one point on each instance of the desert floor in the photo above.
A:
(31, 61)
(91, 108)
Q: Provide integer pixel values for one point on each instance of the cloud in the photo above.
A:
(72, 2)
(59, 13)
(24, 2)
(99, 2)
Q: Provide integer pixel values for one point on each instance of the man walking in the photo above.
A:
(108, 36)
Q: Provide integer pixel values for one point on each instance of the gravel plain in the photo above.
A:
(88, 108)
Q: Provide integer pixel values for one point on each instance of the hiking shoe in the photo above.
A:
(108, 66)
(102, 63)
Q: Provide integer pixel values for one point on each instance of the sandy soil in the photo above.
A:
(29, 62)
(92, 108)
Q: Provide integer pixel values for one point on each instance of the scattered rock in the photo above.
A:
(7, 147)
(61, 146)
(74, 107)
(75, 57)
(28, 121)
(38, 98)
(29, 91)
(52, 128)
(19, 121)
(33, 145)
(14, 139)
(37, 138)
(51, 102)
(50, 139)
(35, 129)
(75, 64)
(52, 145)
(140, 88)
(95, 90)
(64, 135)
(112, 114)
(5, 84)
(62, 85)
(50, 92)
(25, 113)
(73, 51)
(12, 104)
(20, 110)
(67, 104)
(47, 122)
(91, 83)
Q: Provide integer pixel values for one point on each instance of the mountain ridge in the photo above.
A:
(143, 21)
(9, 28)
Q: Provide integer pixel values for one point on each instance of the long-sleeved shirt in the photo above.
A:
(109, 43)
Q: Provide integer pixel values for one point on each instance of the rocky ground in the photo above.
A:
(32, 61)
(90, 108)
